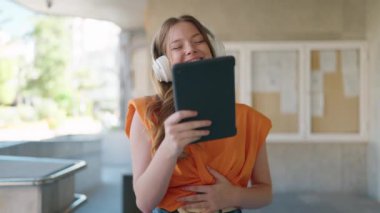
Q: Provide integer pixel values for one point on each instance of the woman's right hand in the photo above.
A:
(178, 135)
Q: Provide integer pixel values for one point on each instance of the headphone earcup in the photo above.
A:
(161, 68)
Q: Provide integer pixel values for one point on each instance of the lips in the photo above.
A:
(194, 59)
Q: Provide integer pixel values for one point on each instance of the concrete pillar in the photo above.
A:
(130, 39)
(373, 35)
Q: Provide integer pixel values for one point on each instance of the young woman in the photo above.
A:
(169, 173)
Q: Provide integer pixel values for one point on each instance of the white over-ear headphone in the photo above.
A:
(161, 66)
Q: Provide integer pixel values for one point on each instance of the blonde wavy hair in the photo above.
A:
(163, 104)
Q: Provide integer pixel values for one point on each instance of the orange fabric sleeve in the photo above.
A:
(140, 106)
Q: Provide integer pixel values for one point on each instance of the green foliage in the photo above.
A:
(7, 69)
(8, 81)
(67, 101)
(51, 57)
(49, 110)
(47, 90)
(50, 79)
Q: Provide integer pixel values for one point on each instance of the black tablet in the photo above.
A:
(208, 86)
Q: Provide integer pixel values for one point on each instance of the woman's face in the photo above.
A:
(184, 43)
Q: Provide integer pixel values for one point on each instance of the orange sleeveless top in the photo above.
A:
(233, 157)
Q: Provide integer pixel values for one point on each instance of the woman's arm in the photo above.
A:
(151, 175)
(225, 195)
(149, 184)
(260, 194)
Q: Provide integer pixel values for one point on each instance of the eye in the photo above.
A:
(199, 41)
(176, 47)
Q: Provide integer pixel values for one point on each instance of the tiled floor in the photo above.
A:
(107, 198)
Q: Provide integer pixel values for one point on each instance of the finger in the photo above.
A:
(219, 177)
(193, 198)
(201, 189)
(193, 133)
(190, 140)
(192, 125)
(191, 136)
(179, 115)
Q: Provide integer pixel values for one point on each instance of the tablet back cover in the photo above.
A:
(208, 86)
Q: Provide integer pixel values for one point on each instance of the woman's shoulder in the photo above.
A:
(245, 110)
(138, 105)
(242, 106)
(142, 100)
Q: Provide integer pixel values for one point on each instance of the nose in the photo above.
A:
(190, 49)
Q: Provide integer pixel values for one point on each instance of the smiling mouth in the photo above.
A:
(195, 59)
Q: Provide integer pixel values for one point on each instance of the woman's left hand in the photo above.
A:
(210, 198)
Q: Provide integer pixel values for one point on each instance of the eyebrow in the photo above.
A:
(178, 40)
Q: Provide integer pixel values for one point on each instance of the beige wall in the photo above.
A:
(248, 20)
(319, 167)
(373, 36)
